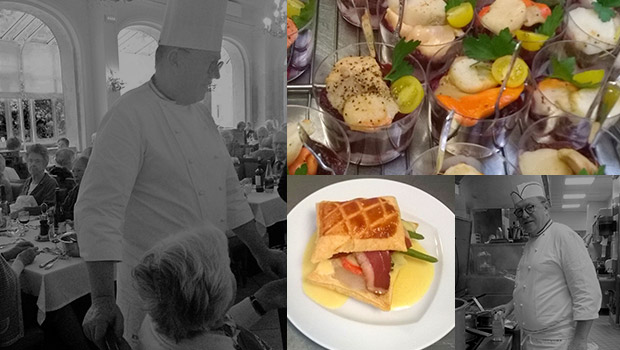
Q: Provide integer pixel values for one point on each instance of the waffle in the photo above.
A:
(358, 225)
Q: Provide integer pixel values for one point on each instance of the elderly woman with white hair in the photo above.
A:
(187, 288)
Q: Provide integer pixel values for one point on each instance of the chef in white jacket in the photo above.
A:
(159, 166)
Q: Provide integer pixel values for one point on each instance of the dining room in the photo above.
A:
(93, 138)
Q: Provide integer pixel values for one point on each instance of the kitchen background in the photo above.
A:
(489, 243)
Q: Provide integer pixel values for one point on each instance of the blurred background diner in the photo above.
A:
(64, 64)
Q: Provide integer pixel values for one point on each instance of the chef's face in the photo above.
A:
(36, 163)
(196, 71)
(532, 214)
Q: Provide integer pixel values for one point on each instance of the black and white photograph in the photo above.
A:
(537, 262)
(142, 148)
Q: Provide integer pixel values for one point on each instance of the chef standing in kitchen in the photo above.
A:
(160, 167)
(557, 294)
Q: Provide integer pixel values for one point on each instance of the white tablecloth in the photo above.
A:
(65, 282)
(268, 208)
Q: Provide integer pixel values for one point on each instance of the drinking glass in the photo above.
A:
(324, 130)
(23, 217)
(370, 145)
(545, 104)
(580, 17)
(483, 159)
(569, 131)
(299, 44)
(493, 131)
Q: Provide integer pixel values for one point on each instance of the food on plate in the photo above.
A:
(531, 22)
(598, 25)
(432, 22)
(360, 250)
(472, 84)
(357, 89)
(566, 90)
(565, 161)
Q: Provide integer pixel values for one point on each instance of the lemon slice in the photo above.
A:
(594, 76)
(531, 41)
(460, 16)
(519, 73)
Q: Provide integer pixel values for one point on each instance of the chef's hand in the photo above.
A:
(272, 295)
(17, 248)
(508, 308)
(272, 262)
(578, 344)
(103, 316)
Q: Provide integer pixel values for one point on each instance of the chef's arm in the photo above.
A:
(271, 261)
(101, 276)
(583, 329)
(248, 234)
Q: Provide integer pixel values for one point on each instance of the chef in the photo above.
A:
(159, 167)
(557, 294)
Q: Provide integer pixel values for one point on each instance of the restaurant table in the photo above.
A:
(55, 288)
(299, 187)
(268, 207)
(332, 33)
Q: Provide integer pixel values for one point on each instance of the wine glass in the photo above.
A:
(23, 217)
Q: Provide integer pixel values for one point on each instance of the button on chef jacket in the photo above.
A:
(556, 283)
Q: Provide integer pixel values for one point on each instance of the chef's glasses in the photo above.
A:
(529, 209)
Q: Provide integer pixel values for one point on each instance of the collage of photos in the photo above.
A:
(155, 154)
(386, 94)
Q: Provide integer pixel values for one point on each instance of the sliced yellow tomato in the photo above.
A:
(593, 76)
(293, 8)
(531, 41)
(408, 93)
(460, 16)
(519, 73)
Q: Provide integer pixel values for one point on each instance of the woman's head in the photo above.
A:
(64, 157)
(79, 167)
(37, 159)
(186, 282)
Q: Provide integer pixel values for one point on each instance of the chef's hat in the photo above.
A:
(527, 190)
(194, 24)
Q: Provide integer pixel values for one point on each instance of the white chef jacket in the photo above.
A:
(556, 283)
(157, 168)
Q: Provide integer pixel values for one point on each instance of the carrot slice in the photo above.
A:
(304, 157)
(545, 10)
(484, 11)
(479, 106)
(350, 266)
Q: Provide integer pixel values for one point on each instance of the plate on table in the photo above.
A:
(359, 326)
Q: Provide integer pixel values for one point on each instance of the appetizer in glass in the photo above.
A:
(299, 36)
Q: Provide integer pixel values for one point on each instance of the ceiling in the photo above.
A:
(599, 191)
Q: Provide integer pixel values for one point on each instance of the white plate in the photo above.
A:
(356, 325)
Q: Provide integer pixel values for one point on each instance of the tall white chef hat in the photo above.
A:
(527, 190)
(194, 24)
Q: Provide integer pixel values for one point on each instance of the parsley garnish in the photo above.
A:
(600, 171)
(454, 3)
(552, 22)
(604, 9)
(305, 15)
(400, 67)
(486, 48)
(302, 170)
(565, 70)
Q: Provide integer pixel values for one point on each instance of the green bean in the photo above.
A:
(419, 255)
(415, 235)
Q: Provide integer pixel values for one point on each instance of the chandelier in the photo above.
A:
(276, 24)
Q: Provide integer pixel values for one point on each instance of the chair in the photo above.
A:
(248, 167)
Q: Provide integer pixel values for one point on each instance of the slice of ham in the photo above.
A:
(407, 242)
(376, 267)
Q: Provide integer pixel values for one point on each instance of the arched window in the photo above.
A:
(32, 103)
(136, 55)
(228, 95)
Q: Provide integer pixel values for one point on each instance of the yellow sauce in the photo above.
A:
(412, 281)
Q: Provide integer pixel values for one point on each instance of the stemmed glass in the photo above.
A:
(23, 217)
